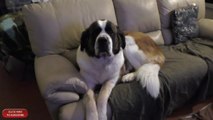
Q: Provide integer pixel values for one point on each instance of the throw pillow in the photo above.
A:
(184, 23)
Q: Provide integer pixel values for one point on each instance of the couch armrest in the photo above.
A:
(58, 79)
(206, 28)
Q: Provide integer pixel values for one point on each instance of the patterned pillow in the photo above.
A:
(184, 23)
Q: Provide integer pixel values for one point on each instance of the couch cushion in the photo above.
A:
(57, 25)
(139, 15)
(71, 56)
(167, 6)
(205, 28)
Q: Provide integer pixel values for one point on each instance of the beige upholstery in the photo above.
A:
(71, 56)
(57, 25)
(139, 15)
(60, 72)
(206, 30)
(165, 9)
(58, 81)
(72, 111)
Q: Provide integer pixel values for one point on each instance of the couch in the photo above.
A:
(55, 28)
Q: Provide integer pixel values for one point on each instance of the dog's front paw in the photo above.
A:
(128, 77)
(102, 116)
(90, 106)
(90, 93)
(102, 111)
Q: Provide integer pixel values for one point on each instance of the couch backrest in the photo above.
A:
(57, 25)
(167, 6)
(139, 15)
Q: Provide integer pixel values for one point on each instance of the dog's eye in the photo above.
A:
(109, 30)
(96, 31)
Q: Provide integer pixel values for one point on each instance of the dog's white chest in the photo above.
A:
(97, 71)
(104, 70)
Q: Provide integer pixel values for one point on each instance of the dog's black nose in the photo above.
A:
(103, 44)
(103, 40)
(103, 47)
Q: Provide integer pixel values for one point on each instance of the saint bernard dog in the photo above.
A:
(101, 57)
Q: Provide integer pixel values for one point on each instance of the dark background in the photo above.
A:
(3, 9)
(209, 1)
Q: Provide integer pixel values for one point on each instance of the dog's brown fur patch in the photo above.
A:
(149, 47)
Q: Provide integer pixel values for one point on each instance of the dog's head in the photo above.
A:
(102, 39)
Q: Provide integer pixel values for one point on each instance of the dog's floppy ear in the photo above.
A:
(84, 39)
(121, 37)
